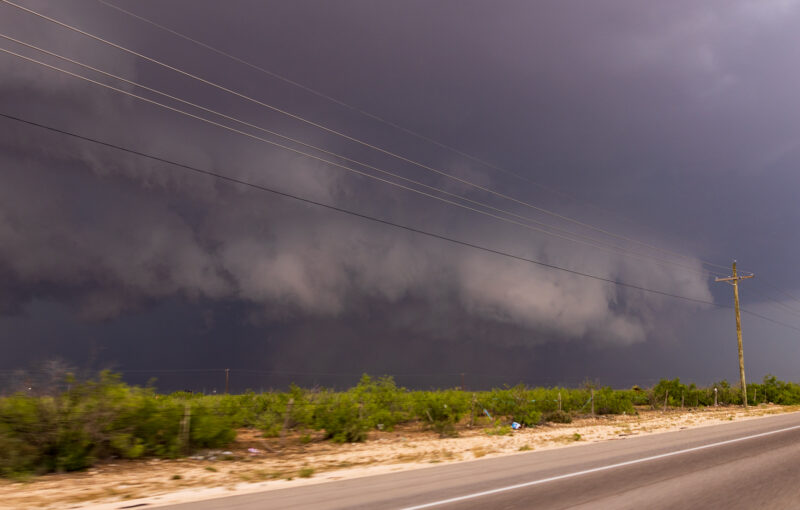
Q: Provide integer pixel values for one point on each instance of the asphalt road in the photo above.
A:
(750, 464)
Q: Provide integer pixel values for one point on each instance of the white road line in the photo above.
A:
(593, 470)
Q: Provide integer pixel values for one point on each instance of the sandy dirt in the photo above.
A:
(305, 459)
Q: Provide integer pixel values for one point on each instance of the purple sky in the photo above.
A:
(675, 124)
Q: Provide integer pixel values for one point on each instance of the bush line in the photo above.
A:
(105, 418)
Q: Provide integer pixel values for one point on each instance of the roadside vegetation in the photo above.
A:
(104, 418)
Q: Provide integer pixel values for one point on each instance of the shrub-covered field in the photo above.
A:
(106, 418)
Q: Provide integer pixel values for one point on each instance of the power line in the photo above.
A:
(267, 141)
(614, 247)
(348, 106)
(329, 98)
(790, 296)
(341, 103)
(383, 221)
(388, 223)
(580, 238)
(784, 306)
(763, 317)
(350, 138)
(357, 214)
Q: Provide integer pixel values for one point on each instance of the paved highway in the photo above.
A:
(750, 464)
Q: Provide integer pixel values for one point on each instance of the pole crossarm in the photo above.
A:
(733, 278)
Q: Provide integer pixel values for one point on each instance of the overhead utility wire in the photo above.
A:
(327, 97)
(792, 297)
(768, 319)
(366, 165)
(292, 149)
(341, 103)
(592, 242)
(784, 306)
(381, 220)
(350, 212)
(343, 135)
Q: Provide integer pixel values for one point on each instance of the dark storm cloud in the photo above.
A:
(119, 247)
(653, 111)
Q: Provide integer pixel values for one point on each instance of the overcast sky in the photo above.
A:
(674, 124)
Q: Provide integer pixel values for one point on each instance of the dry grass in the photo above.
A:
(479, 452)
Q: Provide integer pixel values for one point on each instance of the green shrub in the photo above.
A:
(546, 399)
(209, 429)
(98, 420)
(780, 392)
(515, 404)
(270, 425)
(639, 397)
(557, 417)
(340, 416)
(528, 417)
(608, 401)
(273, 411)
(382, 402)
(728, 394)
(671, 391)
(441, 409)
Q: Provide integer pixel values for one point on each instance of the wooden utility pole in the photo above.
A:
(734, 280)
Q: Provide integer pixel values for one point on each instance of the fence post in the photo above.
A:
(286, 418)
(559, 401)
(186, 427)
(472, 412)
(592, 401)
(666, 399)
(715, 396)
(681, 399)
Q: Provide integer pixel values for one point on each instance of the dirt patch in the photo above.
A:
(254, 463)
